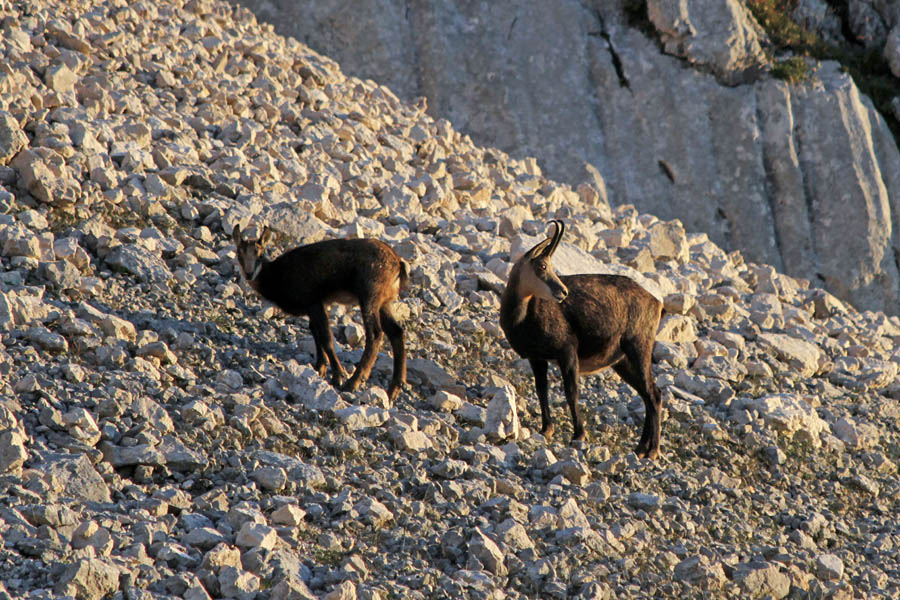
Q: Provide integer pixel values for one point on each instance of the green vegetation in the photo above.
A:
(774, 16)
(866, 66)
(792, 70)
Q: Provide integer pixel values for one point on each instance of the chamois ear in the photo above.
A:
(266, 238)
(538, 249)
(236, 235)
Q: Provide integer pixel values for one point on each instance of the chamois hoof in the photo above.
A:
(547, 431)
(322, 370)
(351, 386)
(649, 453)
(394, 392)
(578, 438)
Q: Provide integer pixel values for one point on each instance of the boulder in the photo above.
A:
(720, 35)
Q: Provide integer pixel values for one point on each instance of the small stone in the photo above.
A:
(575, 471)
(571, 515)
(501, 418)
(60, 78)
(361, 417)
(346, 590)
(269, 478)
(238, 583)
(760, 579)
(292, 588)
(13, 451)
(222, 555)
(487, 553)
(444, 401)
(829, 567)
(12, 138)
(645, 502)
(414, 441)
(256, 535)
(289, 514)
(88, 579)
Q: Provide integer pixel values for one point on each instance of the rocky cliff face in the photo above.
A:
(164, 435)
(683, 123)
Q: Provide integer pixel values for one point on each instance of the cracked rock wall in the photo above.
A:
(803, 177)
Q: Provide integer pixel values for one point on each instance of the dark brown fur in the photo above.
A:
(305, 280)
(584, 323)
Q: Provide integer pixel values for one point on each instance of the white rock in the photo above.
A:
(88, 579)
(854, 433)
(802, 356)
(270, 478)
(676, 329)
(444, 401)
(13, 450)
(668, 241)
(411, 440)
(502, 419)
(12, 138)
(289, 514)
(792, 415)
(486, 552)
(571, 515)
(373, 512)
(892, 50)
(256, 535)
(360, 417)
(237, 583)
(829, 567)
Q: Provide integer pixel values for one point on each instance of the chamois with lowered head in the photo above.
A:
(584, 323)
(305, 280)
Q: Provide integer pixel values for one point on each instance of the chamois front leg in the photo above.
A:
(539, 369)
(374, 335)
(568, 365)
(318, 325)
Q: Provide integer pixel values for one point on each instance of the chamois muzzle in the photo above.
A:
(560, 293)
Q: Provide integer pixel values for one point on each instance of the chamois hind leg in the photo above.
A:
(321, 331)
(635, 370)
(395, 334)
(374, 335)
(568, 366)
(539, 369)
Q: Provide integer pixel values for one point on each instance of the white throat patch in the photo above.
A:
(256, 271)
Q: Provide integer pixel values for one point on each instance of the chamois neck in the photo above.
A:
(257, 278)
(513, 305)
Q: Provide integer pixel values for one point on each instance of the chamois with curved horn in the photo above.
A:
(305, 280)
(584, 323)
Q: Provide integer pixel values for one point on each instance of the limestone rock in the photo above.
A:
(502, 419)
(46, 177)
(829, 566)
(487, 553)
(12, 138)
(139, 262)
(13, 450)
(759, 580)
(892, 50)
(74, 477)
(720, 35)
(792, 415)
(801, 355)
(89, 579)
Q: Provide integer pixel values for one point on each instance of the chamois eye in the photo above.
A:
(542, 267)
